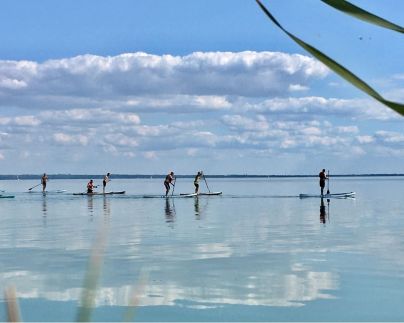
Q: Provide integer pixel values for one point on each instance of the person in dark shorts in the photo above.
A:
(196, 181)
(169, 180)
(323, 178)
(44, 180)
(105, 181)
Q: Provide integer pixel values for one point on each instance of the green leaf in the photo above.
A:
(336, 67)
(364, 15)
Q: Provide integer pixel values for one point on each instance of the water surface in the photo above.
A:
(257, 253)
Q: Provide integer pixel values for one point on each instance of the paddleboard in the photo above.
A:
(6, 196)
(169, 196)
(47, 192)
(326, 196)
(203, 194)
(100, 193)
(211, 193)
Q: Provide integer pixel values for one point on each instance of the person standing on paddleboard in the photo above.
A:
(196, 181)
(44, 180)
(169, 180)
(90, 186)
(105, 181)
(323, 178)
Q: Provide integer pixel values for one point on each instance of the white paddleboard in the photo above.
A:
(168, 196)
(326, 196)
(201, 194)
(211, 193)
(100, 193)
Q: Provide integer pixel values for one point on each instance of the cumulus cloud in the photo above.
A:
(238, 122)
(211, 74)
(390, 137)
(348, 129)
(313, 107)
(365, 139)
(297, 88)
(62, 138)
(145, 106)
(24, 120)
(88, 117)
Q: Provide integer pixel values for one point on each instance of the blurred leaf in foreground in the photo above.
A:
(361, 14)
(336, 67)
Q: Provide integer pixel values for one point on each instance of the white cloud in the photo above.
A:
(118, 139)
(206, 76)
(240, 122)
(365, 139)
(202, 104)
(311, 131)
(348, 129)
(297, 88)
(24, 120)
(62, 138)
(11, 84)
(89, 117)
(313, 107)
(27, 121)
(4, 121)
(390, 137)
(150, 155)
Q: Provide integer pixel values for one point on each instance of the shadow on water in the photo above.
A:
(196, 208)
(90, 205)
(199, 209)
(169, 211)
(44, 209)
(324, 213)
(106, 207)
(44, 205)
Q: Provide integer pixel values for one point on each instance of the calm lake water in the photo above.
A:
(243, 256)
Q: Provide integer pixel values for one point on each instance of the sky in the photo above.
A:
(146, 87)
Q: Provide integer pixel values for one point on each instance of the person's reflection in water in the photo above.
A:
(169, 212)
(107, 209)
(196, 208)
(323, 212)
(90, 205)
(44, 208)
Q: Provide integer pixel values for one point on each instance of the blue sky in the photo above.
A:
(152, 86)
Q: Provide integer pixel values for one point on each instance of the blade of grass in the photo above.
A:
(362, 14)
(336, 67)
(93, 273)
(137, 292)
(13, 309)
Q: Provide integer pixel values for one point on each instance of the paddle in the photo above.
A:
(206, 182)
(172, 193)
(34, 186)
(328, 182)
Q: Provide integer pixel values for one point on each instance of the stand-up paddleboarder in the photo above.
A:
(105, 181)
(169, 180)
(44, 180)
(196, 181)
(323, 178)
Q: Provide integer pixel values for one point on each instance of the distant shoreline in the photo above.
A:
(148, 176)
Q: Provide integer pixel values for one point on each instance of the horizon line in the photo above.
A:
(123, 175)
